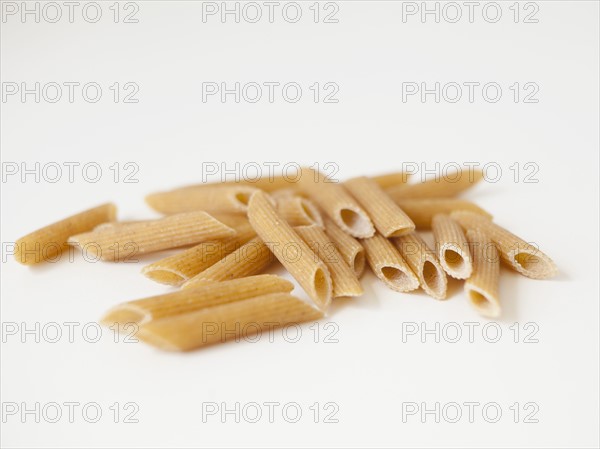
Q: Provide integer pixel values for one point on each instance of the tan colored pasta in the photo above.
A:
(290, 249)
(189, 300)
(218, 198)
(452, 247)
(514, 251)
(296, 210)
(345, 281)
(389, 219)
(351, 250)
(482, 287)
(424, 264)
(173, 231)
(336, 202)
(227, 322)
(388, 265)
(422, 211)
(251, 258)
(391, 179)
(265, 183)
(180, 267)
(440, 187)
(50, 241)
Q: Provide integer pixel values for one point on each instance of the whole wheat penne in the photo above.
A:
(227, 322)
(345, 281)
(421, 211)
(482, 286)
(351, 250)
(269, 183)
(185, 301)
(452, 247)
(250, 258)
(514, 251)
(153, 235)
(218, 198)
(180, 267)
(50, 241)
(391, 179)
(296, 210)
(388, 265)
(389, 219)
(439, 187)
(335, 201)
(424, 264)
(295, 255)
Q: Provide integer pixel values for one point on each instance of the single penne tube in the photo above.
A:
(179, 268)
(424, 264)
(391, 179)
(50, 241)
(189, 300)
(345, 281)
(218, 198)
(337, 203)
(351, 250)
(269, 183)
(296, 210)
(482, 286)
(422, 211)
(389, 219)
(452, 247)
(249, 259)
(447, 186)
(388, 265)
(521, 256)
(173, 231)
(227, 322)
(289, 248)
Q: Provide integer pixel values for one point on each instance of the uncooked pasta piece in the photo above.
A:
(345, 281)
(216, 198)
(452, 247)
(439, 187)
(295, 255)
(337, 203)
(180, 267)
(424, 264)
(296, 210)
(389, 219)
(514, 251)
(391, 179)
(482, 286)
(351, 250)
(191, 299)
(388, 265)
(122, 243)
(251, 258)
(238, 320)
(50, 241)
(421, 211)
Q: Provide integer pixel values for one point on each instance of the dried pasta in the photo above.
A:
(422, 211)
(391, 179)
(296, 210)
(350, 249)
(452, 247)
(439, 187)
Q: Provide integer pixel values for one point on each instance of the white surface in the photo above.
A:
(370, 372)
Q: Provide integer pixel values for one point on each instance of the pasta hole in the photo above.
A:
(322, 286)
(356, 222)
(432, 278)
(243, 197)
(483, 303)
(164, 277)
(395, 275)
(530, 262)
(358, 264)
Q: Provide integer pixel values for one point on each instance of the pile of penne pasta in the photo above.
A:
(323, 232)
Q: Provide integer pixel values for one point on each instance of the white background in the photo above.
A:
(370, 372)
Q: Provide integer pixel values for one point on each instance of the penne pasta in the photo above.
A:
(514, 251)
(452, 247)
(388, 218)
(350, 249)
(50, 241)
(422, 211)
(290, 249)
(482, 287)
(391, 179)
(296, 210)
(121, 243)
(218, 198)
(251, 258)
(336, 202)
(269, 183)
(227, 322)
(439, 187)
(345, 282)
(424, 264)
(388, 265)
(180, 267)
(189, 300)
